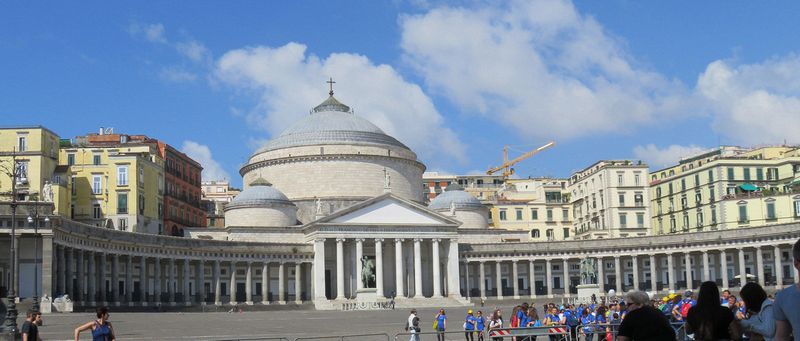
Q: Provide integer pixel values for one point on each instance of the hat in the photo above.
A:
(665, 299)
(469, 311)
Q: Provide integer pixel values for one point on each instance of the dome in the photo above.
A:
(331, 122)
(455, 195)
(259, 193)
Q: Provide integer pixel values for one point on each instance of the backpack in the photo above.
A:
(685, 309)
(572, 320)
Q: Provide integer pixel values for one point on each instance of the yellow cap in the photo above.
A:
(469, 311)
(665, 299)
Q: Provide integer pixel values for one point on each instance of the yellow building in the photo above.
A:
(540, 206)
(36, 150)
(729, 187)
(113, 183)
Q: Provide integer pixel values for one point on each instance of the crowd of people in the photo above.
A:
(708, 315)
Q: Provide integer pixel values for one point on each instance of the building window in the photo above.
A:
(697, 180)
(22, 143)
(685, 222)
(684, 202)
(70, 159)
(622, 199)
(549, 233)
(534, 233)
(566, 232)
(672, 225)
(797, 208)
(97, 213)
(96, 159)
(623, 223)
(683, 184)
(772, 174)
(123, 224)
(565, 215)
(710, 176)
(759, 174)
(640, 220)
(746, 173)
(620, 179)
(730, 173)
(713, 216)
(699, 219)
(141, 204)
(534, 214)
(122, 175)
(658, 192)
(141, 177)
(743, 213)
(122, 203)
(549, 215)
(97, 184)
(503, 215)
(638, 199)
(636, 180)
(519, 214)
(771, 211)
(698, 198)
(73, 185)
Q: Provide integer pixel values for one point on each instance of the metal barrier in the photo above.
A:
(258, 339)
(599, 331)
(563, 332)
(375, 337)
(423, 336)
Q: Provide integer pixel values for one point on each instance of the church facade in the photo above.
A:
(331, 214)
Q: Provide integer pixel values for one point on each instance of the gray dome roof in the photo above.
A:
(454, 194)
(331, 123)
(260, 193)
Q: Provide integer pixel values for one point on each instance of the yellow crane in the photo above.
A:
(506, 166)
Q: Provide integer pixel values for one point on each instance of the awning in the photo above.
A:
(796, 182)
(748, 187)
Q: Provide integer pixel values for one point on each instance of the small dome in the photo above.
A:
(260, 192)
(455, 195)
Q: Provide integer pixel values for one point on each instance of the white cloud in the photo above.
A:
(539, 67)
(177, 75)
(663, 157)
(153, 33)
(194, 50)
(754, 103)
(290, 82)
(202, 154)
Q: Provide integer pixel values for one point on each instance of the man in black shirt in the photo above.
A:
(29, 330)
(643, 322)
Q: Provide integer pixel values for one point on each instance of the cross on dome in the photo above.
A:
(331, 82)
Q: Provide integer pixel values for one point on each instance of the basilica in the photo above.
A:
(331, 215)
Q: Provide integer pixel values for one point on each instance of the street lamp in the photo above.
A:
(10, 323)
(35, 221)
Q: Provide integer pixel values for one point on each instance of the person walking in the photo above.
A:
(440, 325)
(480, 324)
(412, 325)
(101, 328)
(29, 329)
(470, 326)
(760, 309)
(787, 301)
(708, 320)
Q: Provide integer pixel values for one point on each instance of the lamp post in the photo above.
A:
(10, 323)
(35, 221)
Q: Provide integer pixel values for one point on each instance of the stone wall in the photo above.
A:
(276, 216)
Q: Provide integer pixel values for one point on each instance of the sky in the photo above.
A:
(455, 81)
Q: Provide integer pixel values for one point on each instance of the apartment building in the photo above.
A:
(538, 205)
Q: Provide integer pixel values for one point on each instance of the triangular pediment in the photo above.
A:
(387, 210)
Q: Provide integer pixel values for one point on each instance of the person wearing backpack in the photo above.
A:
(572, 320)
(412, 325)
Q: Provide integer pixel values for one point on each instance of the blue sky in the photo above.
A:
(455, 81)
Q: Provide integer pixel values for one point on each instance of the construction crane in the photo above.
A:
(506, 166)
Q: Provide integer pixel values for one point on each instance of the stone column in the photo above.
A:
(417, 269)
(103, 275)
(115, 294)
(566, 278)
(91, 289)
(129, 280)
(687, 258)
(248, 284)
(618, 274)
(215, 275)
(281, 283)
(437, 280)
(778, 267)
(298, 288)
(171, 286)
(69, 271)
(453, 283)
(760, 267)
(742, 270)
(232, 282)
(532, 278)
(635, 260)
(515, 273)
(498, 267)
(379, 267)
(723, 262)
(81, 297)
(200, 281)
(482, 284)
(653, 274)
(339, 268)
(265, 278)
(318, 268)
(47, 267)
(468, 285)
(398, 268)
(187, 295)
(706, 272)
(359, 265)
(157, 281)
(671, 271)
(61, 272)
(143, 285)
(549, 277)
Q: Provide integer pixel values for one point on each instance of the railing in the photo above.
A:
(365, 337)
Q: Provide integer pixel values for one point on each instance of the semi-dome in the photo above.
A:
(331, 122)
(260, 192)
(260, 205)
(455, 195)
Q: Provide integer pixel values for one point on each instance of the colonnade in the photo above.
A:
(142, 280)
(667, 271)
